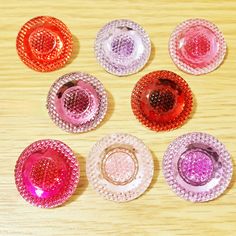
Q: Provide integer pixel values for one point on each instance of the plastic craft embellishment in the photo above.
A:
(197, 167)
(122, 47)
(44, 43)
(120, 167)
(47, 173)
(77, 102)
(197, 46)
(161, 100)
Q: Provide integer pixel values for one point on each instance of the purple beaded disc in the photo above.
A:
(197, 167)
(77, 102)
(122, 47)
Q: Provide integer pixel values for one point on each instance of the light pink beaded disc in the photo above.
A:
(47, 173)
(120, 167)
(197, 167)
(122, 47)
(77, 102)
(197, 46)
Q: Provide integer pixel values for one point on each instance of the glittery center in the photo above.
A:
(119, 166)
(122, 45)
(42, 41)
(76, 101)
(196, 167)
(198, 45)
(162, 100)
(44, 174)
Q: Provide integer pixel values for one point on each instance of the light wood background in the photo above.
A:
(24, 119)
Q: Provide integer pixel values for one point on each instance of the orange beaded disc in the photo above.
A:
(162, 100)
(44, 43)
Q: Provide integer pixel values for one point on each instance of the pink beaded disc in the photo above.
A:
(120, 167)
(47, 173)
(197, 167)
(122, 47)
(77, 102)
(197, 46)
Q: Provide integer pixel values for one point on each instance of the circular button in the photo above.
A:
(77, 102)
(120, 167)
(47, 173)
(161, 100)
(122, 47)
(197, 167)
(44, 43)
(197, 46)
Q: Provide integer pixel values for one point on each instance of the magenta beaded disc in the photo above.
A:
(122, 47)
(47, 173)
(120, 167)
(77, 102)
(197, 46)
(197, 167)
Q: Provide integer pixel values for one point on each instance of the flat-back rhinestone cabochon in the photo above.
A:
(122, 47)
(120, 167)
(197, 167)
(197, 46)
(44, 43)
(47, 173)
(77, 102)
(161, 100)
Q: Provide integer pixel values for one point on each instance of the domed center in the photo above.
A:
(162, 100)
(122, 45)
(196, 167)
(44, 174)
(76, 101)
(42, 41)
(119, 166)
(198, 45)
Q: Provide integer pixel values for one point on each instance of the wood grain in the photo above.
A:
(24, 119)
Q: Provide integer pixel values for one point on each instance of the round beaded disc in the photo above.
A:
(197, 46)
(120, 167)
(197, 167)
(122, 47)
(161, 100)
(77, 102)
(44, 43)
(47, 173)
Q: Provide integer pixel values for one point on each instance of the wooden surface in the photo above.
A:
(24, 119)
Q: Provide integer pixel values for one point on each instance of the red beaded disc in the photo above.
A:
(44, 43)
(162, 100)
(47, 173)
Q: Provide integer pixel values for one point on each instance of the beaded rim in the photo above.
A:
(69, 127)
(119, 193)
(137, 65)
(72, 161)
(216, 61)
(169, 168)
(37, 64)
(143, 83)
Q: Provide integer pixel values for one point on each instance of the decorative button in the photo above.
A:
(161, 100)
(77, 102)
(44, 43)
(197, 46)
(120, 167)
(122, 47)
(47, 173)
(197, 167)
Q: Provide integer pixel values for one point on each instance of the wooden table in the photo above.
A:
(24, 119)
